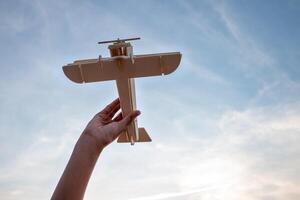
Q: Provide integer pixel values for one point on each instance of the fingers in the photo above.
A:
(122, 124)
(114, 110)
(118, 117)
(109, 108)
(109, 111)
(113, 130)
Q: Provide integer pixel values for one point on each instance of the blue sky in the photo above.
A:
(225, 125)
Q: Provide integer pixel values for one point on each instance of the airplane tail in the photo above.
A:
(143, 137)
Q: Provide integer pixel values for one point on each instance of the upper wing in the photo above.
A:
(113, 68)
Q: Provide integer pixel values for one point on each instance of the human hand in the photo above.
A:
(104, 128)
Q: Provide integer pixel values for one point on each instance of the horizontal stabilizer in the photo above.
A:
(143, 137)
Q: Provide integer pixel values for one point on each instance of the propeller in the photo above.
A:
(119, 40)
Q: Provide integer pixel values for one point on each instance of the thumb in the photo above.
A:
(127, 120)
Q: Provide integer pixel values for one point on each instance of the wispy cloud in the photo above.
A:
(254, 56)
(203, 72)
(168, 195)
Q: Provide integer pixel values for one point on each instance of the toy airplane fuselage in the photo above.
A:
(123, 67)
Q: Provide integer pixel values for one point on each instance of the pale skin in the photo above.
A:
(102, 130)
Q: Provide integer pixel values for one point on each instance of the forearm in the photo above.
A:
(75, 178)
(102, 130)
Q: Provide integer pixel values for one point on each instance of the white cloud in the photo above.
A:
(265, 140)
(255, 155)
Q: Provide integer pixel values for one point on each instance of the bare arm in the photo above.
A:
(100, 131)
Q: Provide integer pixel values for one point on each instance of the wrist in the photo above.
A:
(87, 143)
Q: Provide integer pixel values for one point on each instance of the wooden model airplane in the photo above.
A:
(123, 67)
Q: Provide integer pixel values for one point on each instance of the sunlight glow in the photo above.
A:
(222, 175)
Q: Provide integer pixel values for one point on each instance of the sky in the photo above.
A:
(224, 125)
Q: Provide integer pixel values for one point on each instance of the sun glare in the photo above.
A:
(220, 175)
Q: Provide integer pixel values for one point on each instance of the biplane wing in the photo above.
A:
(104, 69)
